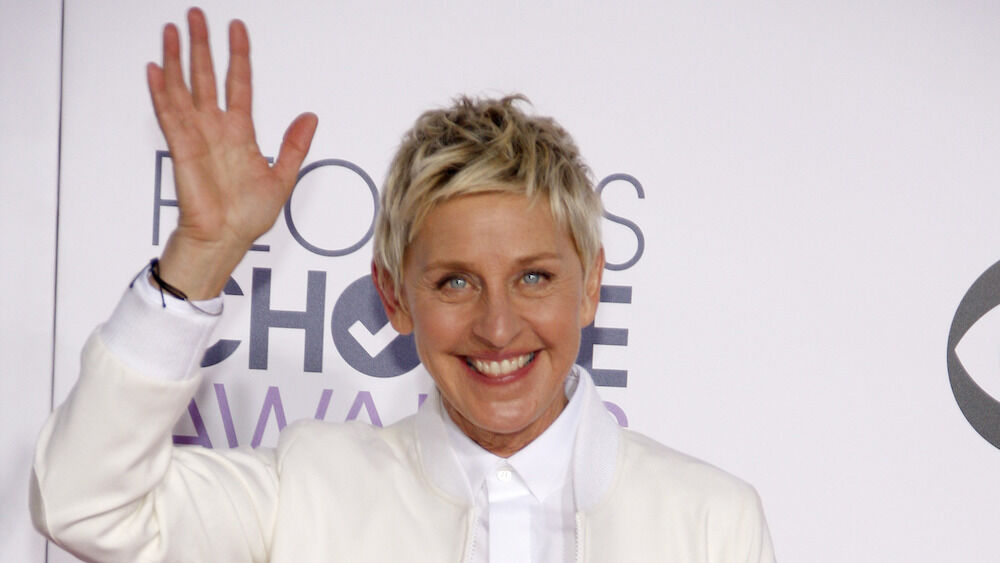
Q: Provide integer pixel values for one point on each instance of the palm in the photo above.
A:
(227, 192)
(225, 186)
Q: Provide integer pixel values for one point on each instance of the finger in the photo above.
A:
(173, 75)
(238, 89)
(166, 114)
(202, 73)
(294, 147)
(158, 92)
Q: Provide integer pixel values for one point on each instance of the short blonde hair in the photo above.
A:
(479, 146)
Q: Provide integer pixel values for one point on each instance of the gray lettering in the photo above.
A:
(263, 318)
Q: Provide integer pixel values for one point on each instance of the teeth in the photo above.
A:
(502, 367)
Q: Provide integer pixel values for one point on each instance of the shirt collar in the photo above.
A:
(543, 464)
(594, 460)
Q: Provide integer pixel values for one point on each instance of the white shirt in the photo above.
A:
(525, 505)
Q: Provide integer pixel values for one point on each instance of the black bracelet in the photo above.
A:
(154, 270)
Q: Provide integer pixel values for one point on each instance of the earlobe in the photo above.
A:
(394, 308)
(592, 289)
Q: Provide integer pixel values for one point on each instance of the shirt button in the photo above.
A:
(505, 475)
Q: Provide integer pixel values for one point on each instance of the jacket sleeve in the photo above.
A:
(108, 484)
(756, 535)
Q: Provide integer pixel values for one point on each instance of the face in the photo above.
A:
(495, 295)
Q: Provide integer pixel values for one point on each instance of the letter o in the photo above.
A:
(325, 251)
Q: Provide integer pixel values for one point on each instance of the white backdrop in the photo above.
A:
(819, 194)
(29, 145)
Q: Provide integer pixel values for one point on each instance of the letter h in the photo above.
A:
(263, 317)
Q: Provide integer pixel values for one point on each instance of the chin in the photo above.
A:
(505, 425)
(509, 419)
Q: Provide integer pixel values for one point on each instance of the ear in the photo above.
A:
(592, 289)
(395, 309)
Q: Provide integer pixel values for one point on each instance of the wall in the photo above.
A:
(802, 199)
(30, 49)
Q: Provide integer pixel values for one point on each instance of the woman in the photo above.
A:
(487, 249)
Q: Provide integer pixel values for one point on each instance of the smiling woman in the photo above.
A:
(488, 251)
(496, 296)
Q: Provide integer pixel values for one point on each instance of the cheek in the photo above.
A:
(438, 327)
(558, 319)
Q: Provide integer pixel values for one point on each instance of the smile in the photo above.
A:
(503, 367)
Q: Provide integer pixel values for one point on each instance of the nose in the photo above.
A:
(498, 320)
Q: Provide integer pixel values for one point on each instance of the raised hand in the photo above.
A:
(227, 192)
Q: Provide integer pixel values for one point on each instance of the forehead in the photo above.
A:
(489, 228)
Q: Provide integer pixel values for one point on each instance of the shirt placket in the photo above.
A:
(509, 517)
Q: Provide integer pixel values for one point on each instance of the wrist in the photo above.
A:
(198, 269)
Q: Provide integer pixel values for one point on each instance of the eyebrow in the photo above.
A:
(522, 261)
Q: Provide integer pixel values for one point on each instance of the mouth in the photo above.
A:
(501, 368)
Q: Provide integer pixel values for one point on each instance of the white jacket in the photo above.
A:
(108, 485)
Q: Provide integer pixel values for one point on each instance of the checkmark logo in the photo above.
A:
(373, 342)
(364, 337)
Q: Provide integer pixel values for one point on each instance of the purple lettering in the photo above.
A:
(272, 402)
(364, 399)
(201, 434)
(227, 416)
(324, 403)
(618, 413)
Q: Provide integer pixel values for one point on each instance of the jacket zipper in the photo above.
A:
(579, 532)
(471, 537)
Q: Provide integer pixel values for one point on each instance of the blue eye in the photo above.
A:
(532, 278)
(456, 283)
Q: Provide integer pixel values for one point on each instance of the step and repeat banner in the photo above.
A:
(800, 229)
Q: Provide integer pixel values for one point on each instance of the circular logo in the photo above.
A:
(360, 329)
(371, 227)
(980, 409)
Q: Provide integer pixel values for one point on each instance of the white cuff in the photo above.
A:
(157, 334)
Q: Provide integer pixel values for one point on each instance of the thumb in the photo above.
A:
(295, 146)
